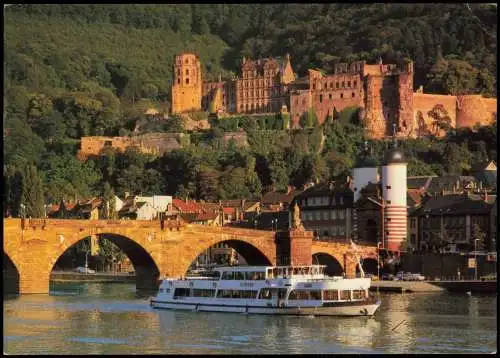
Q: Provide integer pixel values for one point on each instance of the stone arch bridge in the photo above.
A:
(158, 249)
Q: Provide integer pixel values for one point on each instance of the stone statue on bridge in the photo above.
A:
(297, 223)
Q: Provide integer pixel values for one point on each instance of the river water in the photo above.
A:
(104, 318)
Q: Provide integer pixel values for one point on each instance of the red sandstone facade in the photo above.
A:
(383, 93)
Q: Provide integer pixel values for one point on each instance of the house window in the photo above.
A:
(187, 72)
(330, 96)
(317, 215)
(314, 86)
(341, 95)
(355, 83)
(341, 200)
(333, 214)
(337, 85)
(343, 84)
(348, 83)
(187, 81)
(320, 98)
(353, 95)
(325, 215)
(331, 84)
(341, 214)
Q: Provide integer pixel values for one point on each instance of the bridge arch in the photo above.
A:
(369, 265)
(146, 265)
(333, 265)
(253, 255)
(10, 275)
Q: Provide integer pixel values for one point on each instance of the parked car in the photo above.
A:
(418, 277)
(387, 276)
(81, 269)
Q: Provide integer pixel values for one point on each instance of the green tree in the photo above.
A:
(32, 194)
(440, 119)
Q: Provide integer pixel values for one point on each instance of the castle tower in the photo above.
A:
(187, 86)
(364, 172)
(394, 193)
(407, 122)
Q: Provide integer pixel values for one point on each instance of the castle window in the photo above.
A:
(187, 72)
(178, 72)
(355, 83)
(179, 81)
(320, 98)
(330, 96)
(348, 83)
(186, 61)
(353, 95)
(341, 95)
(187, 81)
(314, 86)
(343, 84)
(331, 84)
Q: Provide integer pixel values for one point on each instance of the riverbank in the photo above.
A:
(100, 277)
(473, 286)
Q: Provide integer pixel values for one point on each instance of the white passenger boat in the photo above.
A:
(286, 290)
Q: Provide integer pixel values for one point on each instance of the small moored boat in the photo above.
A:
(285, 290)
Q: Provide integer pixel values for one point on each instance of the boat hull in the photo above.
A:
(354, 309)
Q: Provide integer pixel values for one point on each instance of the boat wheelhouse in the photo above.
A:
(290, 290)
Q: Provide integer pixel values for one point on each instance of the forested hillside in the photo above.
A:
(78, 70)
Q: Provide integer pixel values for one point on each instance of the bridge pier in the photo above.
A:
(33, 281)
(146, 279)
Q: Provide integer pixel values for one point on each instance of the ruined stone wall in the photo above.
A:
(228, 97)
(339, 91)
(94, 145)
(406, 122)
(300, 102)
(151, 143)
(381, 105)
(423, 103)
(474, 109)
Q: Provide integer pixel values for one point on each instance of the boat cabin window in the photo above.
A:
(200, 292)
(358, 294)
(227, 275)
(330, 295)
(345, 295)
(265, 294)
(238, 275)
(236, 294)
(255, 275)
(181, 292)
(305, 295)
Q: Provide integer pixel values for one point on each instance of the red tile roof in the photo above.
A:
(206, 216)
(187, 207)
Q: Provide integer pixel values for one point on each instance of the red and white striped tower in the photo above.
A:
(394, 194)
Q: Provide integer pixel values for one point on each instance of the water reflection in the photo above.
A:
(112, 319)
